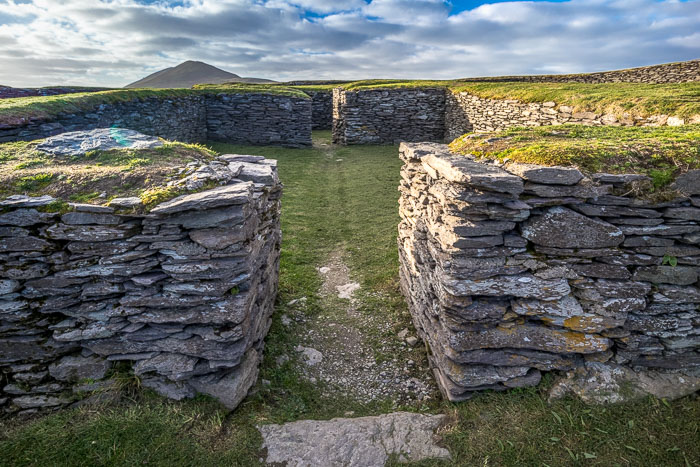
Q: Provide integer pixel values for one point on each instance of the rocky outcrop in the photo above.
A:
(386, 116)
(513, 270)
(78, 143)
(184, 293)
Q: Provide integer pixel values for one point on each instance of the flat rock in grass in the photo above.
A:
(354, 442)
(560, 227)
(461, 169)
(240, 158)
(77, 143)
(94, 208)
(38, 401)
(238, 193)
(125, 203)
(548, 175)
(22, 201)
(605, 383)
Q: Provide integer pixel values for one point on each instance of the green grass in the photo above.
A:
(662, 153)
(351, 204)
(16, 110)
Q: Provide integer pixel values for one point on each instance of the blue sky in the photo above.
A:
(114, 42)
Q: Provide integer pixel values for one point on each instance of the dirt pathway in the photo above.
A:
(355, 353)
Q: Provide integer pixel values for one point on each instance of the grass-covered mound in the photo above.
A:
(97, 176)
(13, 111)
(662, 153)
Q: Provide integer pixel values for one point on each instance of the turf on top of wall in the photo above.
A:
(662, 153)
(16, 110)
(97, 176)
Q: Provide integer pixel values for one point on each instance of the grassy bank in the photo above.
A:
(662, 153)
(97, 176)
(345, 197)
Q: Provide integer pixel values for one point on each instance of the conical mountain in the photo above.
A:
(189, 73)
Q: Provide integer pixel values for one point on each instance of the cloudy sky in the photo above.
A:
(114, 42)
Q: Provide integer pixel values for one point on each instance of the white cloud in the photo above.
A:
(113, 42)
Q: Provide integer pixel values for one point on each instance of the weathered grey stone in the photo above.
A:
(22, 201)
(604, 383)
(172, 390)
(580, 190)
(228, 195)
(548, 175)
(79, 368)
(39, 401)
(354, 442)
(94, 208)
(174, 366)
(24, 244)
(25, 217)
(688, 183)
(692, 214)
(90, 233)
(560, 227)
(522, 285)
(8, 286)
(602, 270)
(125, 203)
(83, 218)
(679, 275)
(461, 169)
(77, 143)
(231, 388)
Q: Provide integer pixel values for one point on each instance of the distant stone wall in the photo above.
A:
(7, 92)
(321, 109)
(384, 116)
(512, 271)
(678, 72)
(466, 113)
(259, 119)
(184, 293)
(256, 119)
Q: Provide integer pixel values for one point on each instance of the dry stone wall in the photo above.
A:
(184, 293)
(259, 119)
(512, 271)
(381, 116)
(678, 72)
(465, 113)
(321, 109)
(244, 118)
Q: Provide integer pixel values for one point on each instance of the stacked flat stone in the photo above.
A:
(511, 271)
(259, 119)
(239, 118)
(321, 109)
(184, 293)
(466, 112)
(386, 116)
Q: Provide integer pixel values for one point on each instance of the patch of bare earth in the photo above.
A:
(357, 354)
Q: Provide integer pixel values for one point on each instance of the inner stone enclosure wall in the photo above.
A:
(239, 118)
(388, 115)
(511, 272)
(184, 294)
